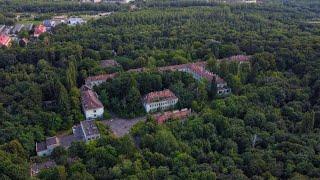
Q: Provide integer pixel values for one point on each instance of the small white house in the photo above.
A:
(91, 105)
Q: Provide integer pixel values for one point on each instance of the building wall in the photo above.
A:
(161, 105)
(92, 137)
(46, 152)
(94, 113)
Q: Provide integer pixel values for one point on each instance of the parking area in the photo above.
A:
(121, 127)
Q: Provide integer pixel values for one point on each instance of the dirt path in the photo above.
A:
(121, 127)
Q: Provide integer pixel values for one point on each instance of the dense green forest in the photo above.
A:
(269, 128)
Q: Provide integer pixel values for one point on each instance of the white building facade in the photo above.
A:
(160, 100)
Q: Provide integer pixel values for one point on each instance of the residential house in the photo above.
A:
(91, 105)
(75, 21)
(159, 100)
(7, 30)
(2, 27)
(28, 27)
(49, 24)
(17, 28)
(38, 30)
(182, 114)
(5, 40)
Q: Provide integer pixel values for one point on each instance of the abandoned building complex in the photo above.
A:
(85, 131)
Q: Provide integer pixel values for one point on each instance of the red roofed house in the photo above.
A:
(91, 105)
(99, 79)
(38, 30)
(162, 117)
(5, 40)
(159, 100)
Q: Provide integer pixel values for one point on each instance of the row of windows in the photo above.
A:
(163, 103)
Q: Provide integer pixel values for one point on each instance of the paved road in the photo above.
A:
(121, 127)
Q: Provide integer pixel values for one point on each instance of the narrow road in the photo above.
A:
(121, 127)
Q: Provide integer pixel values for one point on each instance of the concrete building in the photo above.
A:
(91, 105)
(45, 148)
(89, 130)
(85, 131)
(159, 100)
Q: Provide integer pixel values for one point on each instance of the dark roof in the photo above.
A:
(41, 146)
(89, 128)
(51, 141)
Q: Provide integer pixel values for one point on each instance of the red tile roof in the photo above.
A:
(38, 30)
(5, 40)
(89, 99)
(159, 96)
(162, 117)
(102, 77)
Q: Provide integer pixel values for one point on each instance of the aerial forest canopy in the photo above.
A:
(269, 127)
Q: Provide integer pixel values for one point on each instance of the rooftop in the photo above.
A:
(162, 117)
(102, 77)
(39, 29)
(4, 40)
(159, 96)
(89, 127)
(52, 141)
(90, 99)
